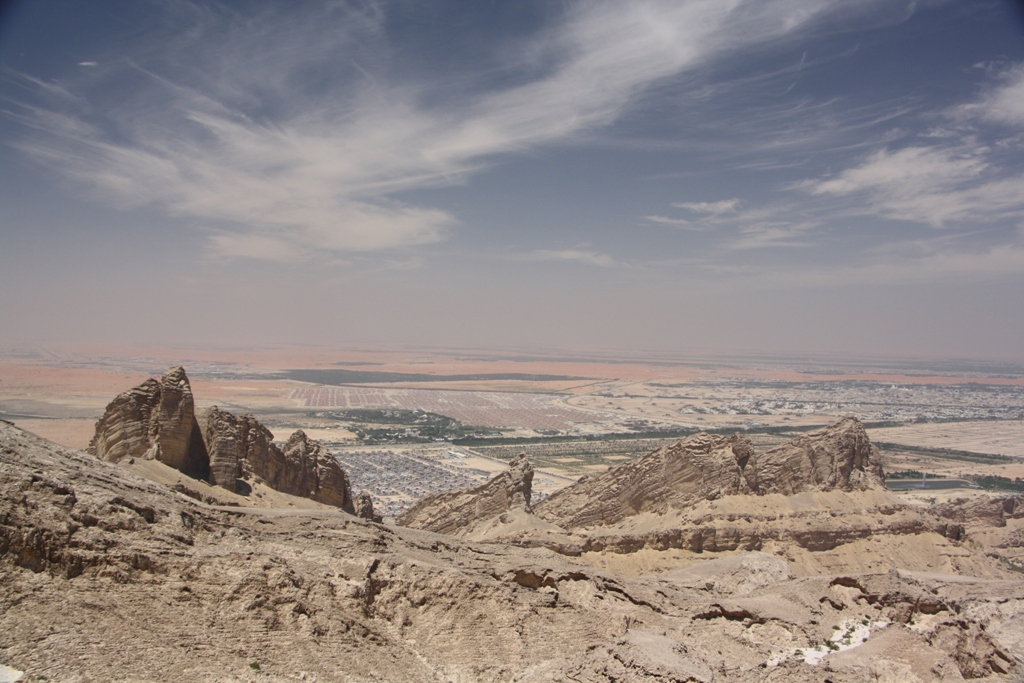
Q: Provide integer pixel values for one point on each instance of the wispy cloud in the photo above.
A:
(582, 256)
(1004, 103)
(773, 225)
(683, 223)
(955, 178)
(299, 148)
(713, 208)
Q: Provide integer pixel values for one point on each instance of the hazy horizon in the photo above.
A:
(780, 177)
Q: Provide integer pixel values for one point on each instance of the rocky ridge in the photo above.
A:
(706, 467)
(105, 575)
(157, 421)
(452, 511)
(819, 500)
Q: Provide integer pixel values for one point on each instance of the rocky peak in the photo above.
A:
(156, 420)
(838, 457)
(454, 511)
(309, 470)
(236, 445)
(153, 421)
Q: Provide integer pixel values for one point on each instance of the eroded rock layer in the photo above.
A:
(105, 575)
(702, 466)
(448, 512)
(157, 420)
(154, 421)
(706, 467)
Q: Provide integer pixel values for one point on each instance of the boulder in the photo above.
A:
(364, 508)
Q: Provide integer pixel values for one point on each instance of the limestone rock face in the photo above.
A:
(364, 508)
(307, 469)
(982, 511)
(449, 512)
(706, 467)
(123, 431)
(703, 466)
(157, 420)
(237, 446)
(153, 421)
(838, 457)
(240, 447)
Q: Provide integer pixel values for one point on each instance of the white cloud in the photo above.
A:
(1004, 103)
(237, 138)
(938, 186)
(713, 208)
(588, 257)
(675, 222)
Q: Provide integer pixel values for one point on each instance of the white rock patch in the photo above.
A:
(850, 634)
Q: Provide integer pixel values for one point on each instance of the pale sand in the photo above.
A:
(73, 433)
(1003, 437)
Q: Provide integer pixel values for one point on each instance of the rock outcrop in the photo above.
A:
(363, 505)
(702, 466)
(309, 470)
(838, 457)
(981, 511)
(706, 467)
(238, 446)
(241, 449)
(450, 512)
(157, 420)
(154, 421)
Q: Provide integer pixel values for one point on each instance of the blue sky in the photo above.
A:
(778, 176)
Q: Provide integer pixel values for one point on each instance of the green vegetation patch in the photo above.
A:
(948, 453)
(380, 426)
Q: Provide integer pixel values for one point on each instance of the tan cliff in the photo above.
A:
(153, 421)
(454, 511)
(706, 467)
(157, 421)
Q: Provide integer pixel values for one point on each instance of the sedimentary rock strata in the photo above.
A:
(706, 467)
(105, 575)
(153, 421)
(156, 420)
(310, 471)
(702, 466)
(449, 512)
(839, 457)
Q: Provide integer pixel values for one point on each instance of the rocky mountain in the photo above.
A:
(707, 467)
(105, 575)
(157, 421)
(454, 511)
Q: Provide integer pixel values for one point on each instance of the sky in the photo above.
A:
(757, 176)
